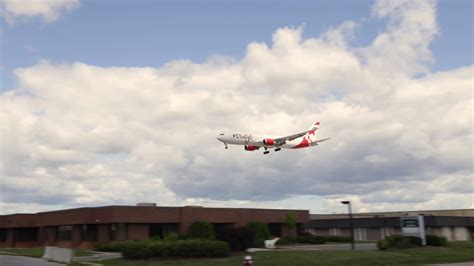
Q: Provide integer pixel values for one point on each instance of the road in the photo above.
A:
(7, 260)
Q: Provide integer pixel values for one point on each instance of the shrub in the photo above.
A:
(179, 248)
(201, 230)
(261, 233)
(240, 238)
(155, 238)
(437, 241)
(172, 236)
(383, 244)
(399, 241)
(109, 247)
(137, 250)
(404, 243)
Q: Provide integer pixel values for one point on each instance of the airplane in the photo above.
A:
(250, 142)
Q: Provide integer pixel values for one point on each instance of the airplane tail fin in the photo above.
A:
(313, 128)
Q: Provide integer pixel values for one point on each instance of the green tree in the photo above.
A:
(290, 220)
(261, 233)
(202, 230)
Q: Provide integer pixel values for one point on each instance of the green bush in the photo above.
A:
(179, 248)
(171, 237)
(399, 241)
(201, 230)
(437, 241)
(109, 247)
(383, 244)
(137, 250)
(261, 233)
(304, 239)
(290, 220)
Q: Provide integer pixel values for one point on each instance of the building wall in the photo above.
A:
(137, 220)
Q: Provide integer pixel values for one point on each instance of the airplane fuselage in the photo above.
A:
(256, 141)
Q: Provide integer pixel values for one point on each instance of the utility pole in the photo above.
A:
(351, 225)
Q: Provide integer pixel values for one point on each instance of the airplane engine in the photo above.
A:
(269, 142)
(250, 148)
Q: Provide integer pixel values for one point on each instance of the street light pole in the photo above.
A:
(351, 225)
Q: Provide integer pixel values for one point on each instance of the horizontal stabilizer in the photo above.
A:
(316, 142)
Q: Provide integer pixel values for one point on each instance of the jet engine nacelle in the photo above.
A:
(269, 142)
(250, 148)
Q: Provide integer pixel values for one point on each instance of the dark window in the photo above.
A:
(3, 235)
(118, 232)
(89, 232)
(26, 234)
(65, 233)
(275, 229)
(162, 229)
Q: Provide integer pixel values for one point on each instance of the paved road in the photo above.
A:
(7, 260)
(359, 247)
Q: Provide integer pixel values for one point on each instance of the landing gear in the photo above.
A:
(266, 151)
(225, 144)
(277, 149)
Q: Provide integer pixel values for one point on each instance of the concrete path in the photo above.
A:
(98, 257)
(358, 247)
(7, 260)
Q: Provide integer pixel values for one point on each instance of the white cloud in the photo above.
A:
(78, 134)
(48, 10)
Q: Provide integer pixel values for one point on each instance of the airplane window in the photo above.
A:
(222, 134)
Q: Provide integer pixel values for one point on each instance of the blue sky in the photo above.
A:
(150, 33)
(104, 110)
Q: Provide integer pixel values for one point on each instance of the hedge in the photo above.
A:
(399, 241)
(437, 241)
(179, 248)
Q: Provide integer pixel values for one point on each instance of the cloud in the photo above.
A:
(78, 134)
(48, 10)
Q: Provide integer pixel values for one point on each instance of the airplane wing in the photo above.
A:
(283, 140)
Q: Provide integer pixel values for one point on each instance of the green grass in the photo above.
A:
(456, 252)
(38, 252)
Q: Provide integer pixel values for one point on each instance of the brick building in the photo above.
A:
(83, 227)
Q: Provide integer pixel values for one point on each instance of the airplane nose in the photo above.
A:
(220, 137)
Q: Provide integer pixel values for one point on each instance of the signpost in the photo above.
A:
(414, 226)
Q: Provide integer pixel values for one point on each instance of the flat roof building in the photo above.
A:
(452, 224)
(84, 227)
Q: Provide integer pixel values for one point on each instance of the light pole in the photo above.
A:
(348, 203)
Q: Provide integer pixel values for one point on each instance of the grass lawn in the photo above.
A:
(38, 252)
(456, 252)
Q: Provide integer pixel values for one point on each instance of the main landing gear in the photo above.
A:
(225, 144)
(267, 151)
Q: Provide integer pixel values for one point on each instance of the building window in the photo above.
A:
(65, 233)
(26, 234)
(118, 232)
(3, 235)
(89, 232)
(162, 230)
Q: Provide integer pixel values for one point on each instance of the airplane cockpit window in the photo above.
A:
(222, 134)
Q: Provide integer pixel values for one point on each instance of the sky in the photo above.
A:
(119, 102)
